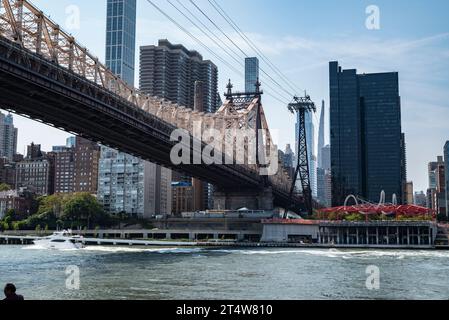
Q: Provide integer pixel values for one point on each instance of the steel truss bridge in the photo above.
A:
(46, 75)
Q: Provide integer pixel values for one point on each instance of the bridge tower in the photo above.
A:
(301, 106)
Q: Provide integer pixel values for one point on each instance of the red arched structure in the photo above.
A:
(368, 210)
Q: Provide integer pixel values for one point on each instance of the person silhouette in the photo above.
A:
(10, 293)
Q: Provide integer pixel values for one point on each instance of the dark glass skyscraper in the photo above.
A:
(367, 144)
(121, 38)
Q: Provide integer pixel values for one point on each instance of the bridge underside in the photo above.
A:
(43, 91)
(237, 198)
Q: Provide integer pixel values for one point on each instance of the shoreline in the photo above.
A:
(28, 240)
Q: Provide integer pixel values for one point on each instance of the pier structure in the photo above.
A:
(372, 234)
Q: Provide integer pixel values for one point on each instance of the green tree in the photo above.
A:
(83, 208)
(4, 187)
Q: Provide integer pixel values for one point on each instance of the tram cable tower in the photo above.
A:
(300, 107)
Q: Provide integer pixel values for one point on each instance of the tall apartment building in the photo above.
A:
(36, 171)
(367, 144)
(8, 137)
(436, 194)
(251, 74)
(64, 170)
(182, 198)
(409, 193)
(127, 184)
(170, 71)
(87, 156)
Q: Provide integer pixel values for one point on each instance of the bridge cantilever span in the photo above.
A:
(47, 76)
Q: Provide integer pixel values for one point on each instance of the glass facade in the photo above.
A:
(251, 74)
(121, 38)
(367, 145)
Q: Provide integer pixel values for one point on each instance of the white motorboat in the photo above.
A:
(60, 240)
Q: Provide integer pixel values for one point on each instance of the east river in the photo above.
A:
(195, 273)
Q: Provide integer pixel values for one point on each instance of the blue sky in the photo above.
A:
(300, 38)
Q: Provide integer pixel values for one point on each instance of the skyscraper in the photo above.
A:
(8, 137)
(251, 74)
(367, 145)
(321, 136)
(173, 72)
(121, 38)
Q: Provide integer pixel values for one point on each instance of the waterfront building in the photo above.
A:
(20, 201)
(7, 172)
(8, 137)
(251, 74)
(367, 144)
(182, 198)
(36, 171)
(64, 170)
(87, 157)
(128, 184)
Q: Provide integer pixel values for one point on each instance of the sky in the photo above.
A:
(300, 38)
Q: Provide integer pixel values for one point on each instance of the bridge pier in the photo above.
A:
(244, 198)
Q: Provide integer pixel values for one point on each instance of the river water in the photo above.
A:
(195, 273)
